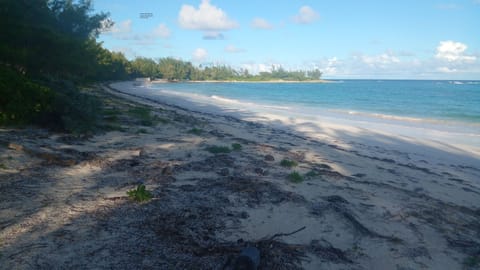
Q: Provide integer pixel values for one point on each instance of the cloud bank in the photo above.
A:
(206, 18)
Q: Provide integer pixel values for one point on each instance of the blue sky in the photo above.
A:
(408, 39)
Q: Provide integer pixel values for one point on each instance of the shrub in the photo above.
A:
(139, 194)
(58, 105)
(472, 261)
(288, 163)
(236, 146)
(75, 111)
(218, 149)
(22, 101)
(196, 131)
(295, 177)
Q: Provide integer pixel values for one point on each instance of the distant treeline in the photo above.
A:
(48, 49)
(173, 69)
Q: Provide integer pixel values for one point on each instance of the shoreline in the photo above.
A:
(240, 81)
(423, 131)
(365, 200)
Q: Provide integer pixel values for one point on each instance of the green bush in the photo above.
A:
(288, 163)
(56, 105)
(236, 146)
(196, 131)
(77, 112)
(139, 194)
(295, 177)
(22, 101)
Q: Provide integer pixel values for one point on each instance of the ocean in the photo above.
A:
(420, 101)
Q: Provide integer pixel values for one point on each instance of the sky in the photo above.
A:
(345, 39)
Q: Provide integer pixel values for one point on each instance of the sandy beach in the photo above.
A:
(368, 197)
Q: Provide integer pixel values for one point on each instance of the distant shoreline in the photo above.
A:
(240, 81)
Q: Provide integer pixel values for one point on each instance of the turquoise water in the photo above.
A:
(456, 101)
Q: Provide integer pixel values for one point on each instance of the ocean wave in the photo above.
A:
(384, 116)
(238, 102)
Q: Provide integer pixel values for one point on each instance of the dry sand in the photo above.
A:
(368, 200)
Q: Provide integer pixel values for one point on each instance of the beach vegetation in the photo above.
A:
(295, 177)
(472, 261)
(139, 194)
(218, 149)
(288, 163)
(236, 146)
(48, 49)
(196, 131)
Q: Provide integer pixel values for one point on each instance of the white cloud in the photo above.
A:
(306, 15)
(381, 60)
(331, 68)
(122, 28)
(161, 31)
(233, 49)
(260, 23)
(199, 54)
(255, 68)
(207, 18)
(446, 70)
(452, 51)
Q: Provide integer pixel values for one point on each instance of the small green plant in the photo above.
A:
(139, 194)
(3, 166)
(196, 131)
(295, 177)
(288, 163)
(236, 146)
(218, 149)
(472, 261)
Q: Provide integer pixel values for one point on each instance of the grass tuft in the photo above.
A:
(236, 146)
(288, 163)
(218, 149)
(295, 177)
(139, 194)
(472, 261)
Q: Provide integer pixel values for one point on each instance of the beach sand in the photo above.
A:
(368, 199)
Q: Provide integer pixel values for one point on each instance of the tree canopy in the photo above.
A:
(49, 46)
